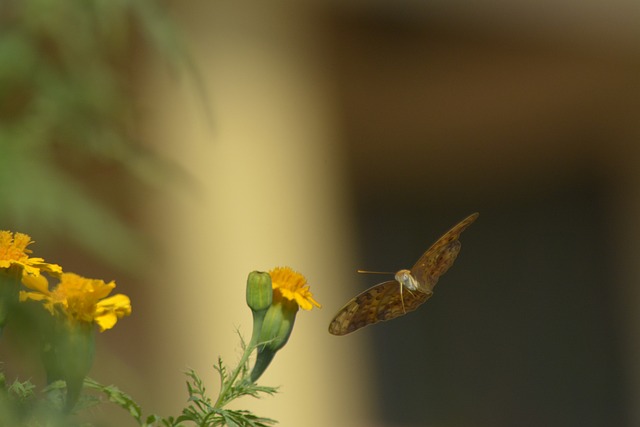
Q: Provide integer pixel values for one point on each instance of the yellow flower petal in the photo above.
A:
(14, 253)
(35, 296)
(109, 310)
(37, 283)
(292, 285)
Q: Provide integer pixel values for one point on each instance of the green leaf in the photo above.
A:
(118, 397)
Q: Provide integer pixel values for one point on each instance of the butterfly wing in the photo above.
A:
(440, 256)
(381, 302)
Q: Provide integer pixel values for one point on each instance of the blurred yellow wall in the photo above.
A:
(269, 175)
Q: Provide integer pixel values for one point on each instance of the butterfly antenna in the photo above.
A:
(374, 272)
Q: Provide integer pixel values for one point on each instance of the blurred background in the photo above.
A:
(176, 147)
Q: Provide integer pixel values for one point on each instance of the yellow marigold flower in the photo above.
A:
(80, 299)
(14, 253)
(291, 285)
(290, 291)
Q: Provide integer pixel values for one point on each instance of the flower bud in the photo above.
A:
(259, 292)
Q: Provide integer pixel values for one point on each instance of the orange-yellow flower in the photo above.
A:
(290, 292)
(291, 285)
(14, 253)
(80, 299)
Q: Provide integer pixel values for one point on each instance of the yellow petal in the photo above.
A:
(37, 283)
(35, 296)
(109, 310)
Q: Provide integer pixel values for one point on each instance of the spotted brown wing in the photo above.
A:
(381, 302)
(440, 256)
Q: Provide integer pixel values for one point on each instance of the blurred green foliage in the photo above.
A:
(68, 147)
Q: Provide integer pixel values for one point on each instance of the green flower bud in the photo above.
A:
(259, 292)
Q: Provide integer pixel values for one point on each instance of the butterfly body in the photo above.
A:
(405, 278)
(409, 290)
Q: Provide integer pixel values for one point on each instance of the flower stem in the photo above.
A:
(222, 397)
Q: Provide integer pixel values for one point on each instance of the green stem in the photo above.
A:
(258, 317)
(227, 386)
(221, 401)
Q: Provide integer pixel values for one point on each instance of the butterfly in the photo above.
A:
(409, 290)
